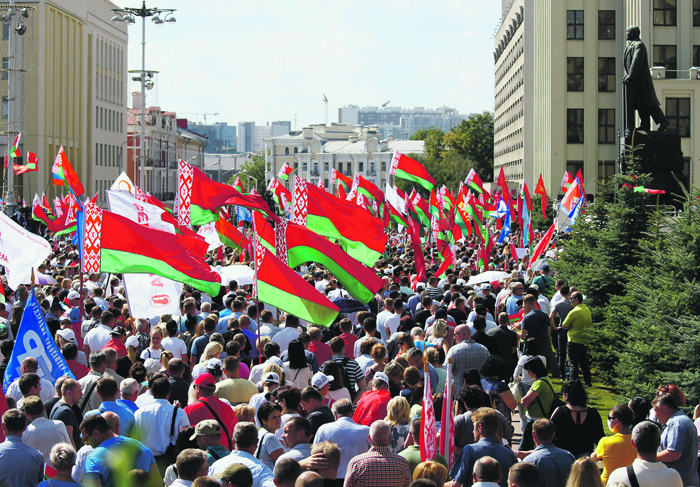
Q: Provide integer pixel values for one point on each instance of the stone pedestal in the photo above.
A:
(661, 156)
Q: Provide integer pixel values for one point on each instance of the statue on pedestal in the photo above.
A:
(638, 88)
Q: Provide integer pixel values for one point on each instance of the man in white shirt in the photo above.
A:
(321, 282)
(351, 438)
(98, 337)
(90, 399)
(289, 332)
(154, 421)
(172, 343)
(191, 463)
(646, 438)
(383, 315)
(296, 436)
(30, 366)
(245, 438)
(267, 329)
(391, 323)
(42, 433)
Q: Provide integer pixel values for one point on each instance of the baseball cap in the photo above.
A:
(271, 377)
(319, 380)
(118, 331)
(382, 377)
(66, 334)
(237, 474)
(132, 341)
(213, 362)
(486, 286)
(205, 428)
(73, 295)
(56, 305)
(207, 381)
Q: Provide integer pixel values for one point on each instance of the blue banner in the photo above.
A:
(33, 340)
(243, 214)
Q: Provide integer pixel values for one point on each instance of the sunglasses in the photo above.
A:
(610, 418)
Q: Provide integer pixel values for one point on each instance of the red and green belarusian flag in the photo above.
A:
(200, 198)
(344, 181)
(281, 195)
(341, 193)
(14, 152)
(394, 214)
(230, 235)
(476, 216)
(414, 232)
(285, 171)
(420, 211)
(566, 182)
(360, 235)
(113, 243)
(264, 231)
(39, 213)
(238, 184)
(368, 189)
(404, 167)
(63, 174)
(296, 245)
(474, 182)
(279, 286)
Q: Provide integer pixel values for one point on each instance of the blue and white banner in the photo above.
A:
(33, 340)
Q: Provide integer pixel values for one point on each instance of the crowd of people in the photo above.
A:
(235, 392)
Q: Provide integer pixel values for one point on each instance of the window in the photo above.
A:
(665, 12)
(574, 74)
(5, 107)
(340, 167)
(326, 166)
(686, 166)
(296, 150)
(5, 67)
(325, 183)
(5, 31)
(606, 170)
(574, 167)
(574, 24)
(666, 56)
(606, 24)
(304, 166)
(696, 55)
(383, 166)
(97, 153)
(362, 167)
(606, 74)
(574, 126)
(606, 126)
(678, 113)
(286, 151)
(696, 13)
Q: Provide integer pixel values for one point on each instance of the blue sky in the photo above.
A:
(265, 60)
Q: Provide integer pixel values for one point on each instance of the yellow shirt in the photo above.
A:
(615, 451)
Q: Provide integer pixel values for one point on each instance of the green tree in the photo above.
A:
(255, 168)
(472, 140)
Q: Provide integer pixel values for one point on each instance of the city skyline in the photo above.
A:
(410, 53)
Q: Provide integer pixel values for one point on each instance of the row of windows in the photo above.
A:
(106, 154)
(513, 113)
(575, 24)
(516, 81)
(677, 111)
(109, 120)
(109, 62)
(606, 74)
(512, 169)
(513, 55)
(509, 143)
(665, 13)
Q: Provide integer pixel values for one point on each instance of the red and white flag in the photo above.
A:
(428, 437)
(447, 428)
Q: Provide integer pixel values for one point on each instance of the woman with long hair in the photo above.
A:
(405, 343)
(584, 473)
(398, 415)
(337, 389)
(154, 349)
(212, 350)
(16, 319)
(578, 427)
(297, 368)
(378, 353)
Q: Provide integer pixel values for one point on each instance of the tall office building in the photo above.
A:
(399, 122)
(558, 96)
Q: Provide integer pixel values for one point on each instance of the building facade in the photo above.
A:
(71, 94)
(314, 151)
(399, 122)
(220, 135)
(558, 97)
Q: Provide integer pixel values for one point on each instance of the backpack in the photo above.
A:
(343, 371)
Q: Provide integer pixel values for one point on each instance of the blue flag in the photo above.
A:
(243, 214)
(34, 340)
(506, 227)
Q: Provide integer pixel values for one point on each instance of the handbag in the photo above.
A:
(556, 402)
(515, 389)
(170, 450)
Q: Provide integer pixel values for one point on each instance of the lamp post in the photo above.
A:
(129, 15)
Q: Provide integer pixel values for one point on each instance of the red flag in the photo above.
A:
(542, 245)
(428, 440)
(579, 178)
(416, 244)
(447, 429)
(513, 251)
(566, 181)
(540, 190)
(340, 192)
(449, 261)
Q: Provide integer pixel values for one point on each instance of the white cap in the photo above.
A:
(382, 377)
(486, 286)
(67, 334)
(132, 341)
(275, 360)
(152, 365)
(271, 377)
(213, 362)
(73, 295)
(320, 380)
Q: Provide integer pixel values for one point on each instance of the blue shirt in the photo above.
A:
(20, 464)
(117, 449)
(554, 464)
(199, 344)
(680, 435)
(126, 416)
(485, 447)
(129, 404)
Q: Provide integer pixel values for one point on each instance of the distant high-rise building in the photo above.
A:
(251, 136)
(399, 122)
(244, 138)
(220, 135)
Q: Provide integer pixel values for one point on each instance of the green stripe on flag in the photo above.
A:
(405, 175)
(358, 250)
(300, 307)
(200, 216)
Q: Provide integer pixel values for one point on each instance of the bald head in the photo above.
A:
(29, 364)
(487, 469)
(380, 433)
(309, 479)
(113, 421)
(463, 332)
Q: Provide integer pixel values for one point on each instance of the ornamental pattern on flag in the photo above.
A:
(281, 241)
(93, 238)
(186, 180)
(301, 201)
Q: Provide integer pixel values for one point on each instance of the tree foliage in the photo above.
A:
(255, 168)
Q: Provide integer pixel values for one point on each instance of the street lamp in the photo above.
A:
(160, 16)
(249, 178)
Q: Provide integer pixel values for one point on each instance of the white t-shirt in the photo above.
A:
(174, 345)
(98, 337)
(151, 353)
(649, 474)
(392, 322)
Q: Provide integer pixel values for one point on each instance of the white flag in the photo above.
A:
(211, 236)
(143, 213)
(123, 183)
(20, 251)
(393, 197)
(150, 295)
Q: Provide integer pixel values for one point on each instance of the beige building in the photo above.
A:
(73, 92)
(349, 149)
(558, 96)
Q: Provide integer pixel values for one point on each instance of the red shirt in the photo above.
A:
(197, 412)
(371, 407)
(349, 340)
(79, 370)
(117, 344)
(322, 351)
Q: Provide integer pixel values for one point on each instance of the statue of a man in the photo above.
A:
(638, 87)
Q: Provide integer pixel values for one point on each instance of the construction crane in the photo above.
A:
(204, 115)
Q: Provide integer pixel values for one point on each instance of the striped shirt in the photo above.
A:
(43, 434)
(353, 369)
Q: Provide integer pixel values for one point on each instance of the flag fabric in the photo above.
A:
(566, 181)
(141, 212)
(369, 189)
(285, 171)
(570, 200)
(642, 189)
(279, 286)
(543, 244)
(113, 243)
(39, 213)
(416, 245)
(447, 426)
(2, 294)
(343, 180)
(238, 184)
(391, 194)
(360, 235)
(395, 215)
(428, 440)
(579, 178)
(404, 167)
(540, 190)
(150, 294)
(14, 152)
(209, 234)
(340, 192)
(446, 264)
(34, 340)
(320, 185)
(296, 245)
(63, 174)
(200, 198)
(32, 162)
(20, 251)
(264, 232)
(123, 183)
(230, 235)
(506, 228)
(420, 209)
(473, 182)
